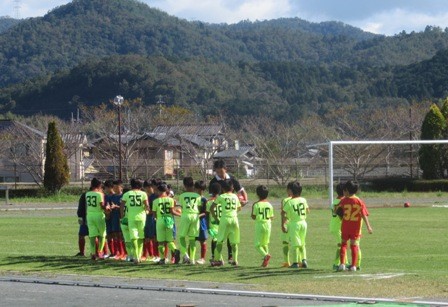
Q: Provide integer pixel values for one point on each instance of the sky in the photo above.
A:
(387, 17)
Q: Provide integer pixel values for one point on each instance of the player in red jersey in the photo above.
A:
(353, 212)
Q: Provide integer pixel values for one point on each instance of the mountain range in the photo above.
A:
(88, 51)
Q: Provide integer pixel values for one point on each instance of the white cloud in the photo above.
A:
(395, 21)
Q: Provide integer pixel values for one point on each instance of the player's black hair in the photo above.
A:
(351, 187)
(118, 182)
(289, 185)
(162, 187)
(188, 182)
(296, 188)
(136, 183)
(340, 189)
(147, 183)
(219, 164)
(262, 192)
(215, 188)
(227, 185)
(155, 182)
(95, 183)
(200, 185)
(109, 183)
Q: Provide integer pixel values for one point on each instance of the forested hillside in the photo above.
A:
(7, 22)
(88, 51)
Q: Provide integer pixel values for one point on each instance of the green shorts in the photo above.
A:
(297, 233)
(125, 231)
(96, 222)
(213, 230)
(164, 233)
(335, 228)
(262, 233)
(136, 229)
(229, 228)
(189, 225)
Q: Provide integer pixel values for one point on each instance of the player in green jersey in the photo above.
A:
(96, 219)
(189, 221)
(228, 224)
(295, 210)
(213, 223)
(165, 212)
(335, 224)
(284, 226)
(136, 202)
(262, 213)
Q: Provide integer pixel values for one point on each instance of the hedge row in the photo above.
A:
(406, 184)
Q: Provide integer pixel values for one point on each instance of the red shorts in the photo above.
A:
(350, 236)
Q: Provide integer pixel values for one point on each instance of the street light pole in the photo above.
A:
(118, 101)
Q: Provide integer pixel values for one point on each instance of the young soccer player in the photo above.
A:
(262, 213)
(213, 223)
(115, 202)
(108, 193)
(189, 220)
(136, 201)
(353, 212)
(284, 227)
(83, 229)
(96, 219)
(228, 225)
(335, 224)
(295, 211)
(165, 212)
(200, 187)
(124, 224)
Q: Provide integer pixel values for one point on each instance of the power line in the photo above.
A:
(17, 7)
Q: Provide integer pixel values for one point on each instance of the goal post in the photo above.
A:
(332, 144)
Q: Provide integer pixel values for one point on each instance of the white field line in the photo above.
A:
(440, 206)
(365, 276)
(37, 209)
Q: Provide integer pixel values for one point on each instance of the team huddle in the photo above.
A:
(139, 225)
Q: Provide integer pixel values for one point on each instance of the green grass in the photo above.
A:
(408, 242)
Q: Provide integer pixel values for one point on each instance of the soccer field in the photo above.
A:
(406, 257)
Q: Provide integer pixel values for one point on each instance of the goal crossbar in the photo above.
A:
(331, 144)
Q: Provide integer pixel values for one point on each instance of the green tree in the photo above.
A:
(56, 166)
(430, 156)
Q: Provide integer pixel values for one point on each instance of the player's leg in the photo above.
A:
(285, 247)
(234, 238)
(183, 230)
(294, 239)
(259, 233)
(355, 251)
(193, 232)
(342, 255)
(221, 238)
(302, 247)
(358, 264)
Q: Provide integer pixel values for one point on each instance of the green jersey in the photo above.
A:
(229, 204)
(217, 210)
(93, 202)
(263, 211)
(135, 204)
(163, 206)
(295, 209)
(334, 206)
(190, 202)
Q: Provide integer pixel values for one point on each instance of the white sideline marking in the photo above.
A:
(440, 206)
(38, 209)
(365, 276)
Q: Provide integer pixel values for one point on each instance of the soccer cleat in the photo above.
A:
(285, 265)
(304, 264)
(93, 257)
(352, 268)
(79, 254)
(295, 265)
(335, 267)
(156, 259)
(358, 268)
(266, 260)
(176, 256)
(341, 267)
(186, 259)
(234, 263)
(216, 263)
(200, 261)
(144, 258)
(161, 261)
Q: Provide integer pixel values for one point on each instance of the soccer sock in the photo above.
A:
(117, 246)
(203, 249)
(192, 249)
(140, 243)
(266, 249)
(235, 252)
(136, 249)
(343, 252)
(218, 251)
(123, 247)
(338, 255)
(171, 246)
(295, 254)
(161, 249)
(302, 250)
(156, 248)
(183, 245)
(166, 251)
(286, 252)
(151, 248)
(214, 242)
(130, 248)
(261, 250)
(358, 264)
(81, 244)
(110, 244)
(92, 241)
(102, 246)
(355, 250)
(229, 249)
(145, 252)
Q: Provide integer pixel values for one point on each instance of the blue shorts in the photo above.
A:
(150, 226)
(83, 230)
(202, 229)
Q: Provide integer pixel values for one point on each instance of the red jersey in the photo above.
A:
(354, 210)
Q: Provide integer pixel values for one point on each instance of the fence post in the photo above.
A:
(6, 188)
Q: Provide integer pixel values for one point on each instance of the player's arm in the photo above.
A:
(253, 216)
(174, 211)
(366, 220)
(283, 221)
(213, 211)
(122, 204)
(146, 203)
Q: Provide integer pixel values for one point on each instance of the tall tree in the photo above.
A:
(56, 166)
(433, 128)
